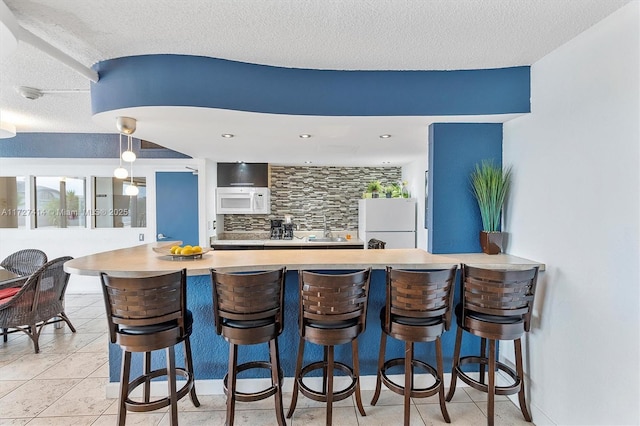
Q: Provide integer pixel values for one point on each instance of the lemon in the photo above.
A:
(187, 246)
(197, 249)
(174, 248)
(187, 250)
(178, 250)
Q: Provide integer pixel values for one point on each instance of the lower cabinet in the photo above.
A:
(312, 246)
(236, 247)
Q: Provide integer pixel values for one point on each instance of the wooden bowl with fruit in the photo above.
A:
(182, 252)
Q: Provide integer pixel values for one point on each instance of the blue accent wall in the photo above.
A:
(179, 80)
(454, 150)
(75, 145)
(177, 206)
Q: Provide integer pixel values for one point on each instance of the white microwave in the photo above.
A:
(243, 200)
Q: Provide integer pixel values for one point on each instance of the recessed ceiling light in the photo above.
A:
(307, 162)
(385, 136)
(386, 162)
(228, 135)
(305, 135)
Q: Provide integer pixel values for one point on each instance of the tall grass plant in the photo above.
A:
(490, 184)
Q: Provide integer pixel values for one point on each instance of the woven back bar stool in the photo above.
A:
(496, 305)
(145, 315)
(333, 311)
(248, 310)
(418, 309)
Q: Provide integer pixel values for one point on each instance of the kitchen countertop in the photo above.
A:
(294, 242)
(142, 260)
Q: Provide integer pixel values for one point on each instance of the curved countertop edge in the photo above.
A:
(141, 260)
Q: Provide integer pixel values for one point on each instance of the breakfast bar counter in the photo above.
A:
(210, 351)
(143, 260)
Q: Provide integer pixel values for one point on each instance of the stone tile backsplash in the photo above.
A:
(309, 193)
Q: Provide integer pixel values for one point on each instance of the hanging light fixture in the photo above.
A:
(131, 190)
(127, 125)
(120, 172)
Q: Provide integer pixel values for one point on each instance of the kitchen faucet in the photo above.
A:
(326, 233)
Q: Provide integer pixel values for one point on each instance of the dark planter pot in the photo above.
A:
(375, 194)
(388, 195)
(491, 242)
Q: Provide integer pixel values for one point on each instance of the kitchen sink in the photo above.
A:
(327, 240)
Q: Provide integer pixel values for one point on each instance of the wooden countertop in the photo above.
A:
(142, 260)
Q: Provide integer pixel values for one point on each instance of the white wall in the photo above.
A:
(574, 206)
(413, 173)
(81, 242)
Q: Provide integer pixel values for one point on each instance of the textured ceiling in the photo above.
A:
(320, 34)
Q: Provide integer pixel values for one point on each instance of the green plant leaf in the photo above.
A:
(490, 184)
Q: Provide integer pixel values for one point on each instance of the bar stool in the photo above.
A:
(147, 314)
(496, 305)
(248, 310)
(417, 309)
(333, 311)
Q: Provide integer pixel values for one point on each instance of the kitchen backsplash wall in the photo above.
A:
(308, 193)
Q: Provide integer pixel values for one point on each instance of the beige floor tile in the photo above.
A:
(460, 413)
(86, 398)
(459, 396)
(29, 366)
(14, 422)
(68, 342)
(99, 345)
(63, 421)
(34, 397)
(95, 325)
(478, 396)
(248, 418)
(135, 419)
(343, 416)
(506, 413)
(207, 403)
(8, 386)
(91, 312)
(102, 371)
(77, 365)
(386, 415)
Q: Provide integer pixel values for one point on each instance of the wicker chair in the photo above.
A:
(38, 302)
(24, 262)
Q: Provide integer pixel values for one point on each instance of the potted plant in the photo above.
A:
(374, 187)
(490, 184)
(388, 190)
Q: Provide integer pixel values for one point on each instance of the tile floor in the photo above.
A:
(65, 385)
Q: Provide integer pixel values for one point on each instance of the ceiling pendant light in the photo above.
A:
(127, 125)
(120, 172)
(131, 190)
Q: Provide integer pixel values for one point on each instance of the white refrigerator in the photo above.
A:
(392, 220)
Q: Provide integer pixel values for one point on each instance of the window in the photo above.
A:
(60, 202)
(115, 209)
(13, 212)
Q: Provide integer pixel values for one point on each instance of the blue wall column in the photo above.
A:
(453, 215)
